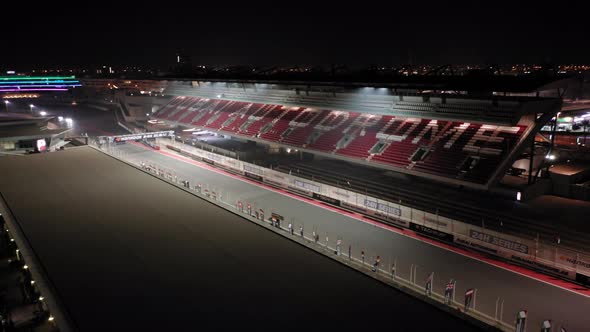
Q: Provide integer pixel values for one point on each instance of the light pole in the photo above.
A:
(32, 108)
(6, 102)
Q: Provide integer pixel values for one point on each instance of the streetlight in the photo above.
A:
(6, 102)
(32, 108)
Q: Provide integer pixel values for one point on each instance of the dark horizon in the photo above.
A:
(467, 34)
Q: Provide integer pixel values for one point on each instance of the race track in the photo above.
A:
(541, 300)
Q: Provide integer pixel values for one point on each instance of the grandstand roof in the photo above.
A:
(29, 131)
(471, 83)
(127, 252)
(10, 119)
(16, 125)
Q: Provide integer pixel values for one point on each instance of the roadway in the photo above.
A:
(543, 300)
(128, 252)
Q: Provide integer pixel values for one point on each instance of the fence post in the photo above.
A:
(496, 309)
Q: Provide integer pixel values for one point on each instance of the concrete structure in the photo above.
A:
(20, 133)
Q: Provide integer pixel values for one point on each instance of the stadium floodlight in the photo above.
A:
(43, 113)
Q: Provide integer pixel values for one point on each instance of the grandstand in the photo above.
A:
(451, 138)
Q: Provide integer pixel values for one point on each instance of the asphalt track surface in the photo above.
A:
(519, 288)
(128, 252)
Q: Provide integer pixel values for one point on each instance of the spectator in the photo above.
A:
(376, 264)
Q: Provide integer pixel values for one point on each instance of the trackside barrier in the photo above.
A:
(346, 251)
(552, 259)
(37, 287)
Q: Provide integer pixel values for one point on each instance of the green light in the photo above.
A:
(15, 78)
(40, 82)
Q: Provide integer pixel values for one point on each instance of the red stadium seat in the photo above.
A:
(468, 151)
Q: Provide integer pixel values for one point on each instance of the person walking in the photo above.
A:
(338, 243)
(349, 251)
(315, 239)
(301, 231)
(363, 256)
(291, 228)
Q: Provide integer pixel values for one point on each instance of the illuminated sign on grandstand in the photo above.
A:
(306, 185)
(251, 169)
(133, 137)
(37, 83)
(383, 207)
(523, 248)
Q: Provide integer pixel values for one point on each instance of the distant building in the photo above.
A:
(182, 63)
(20, 133)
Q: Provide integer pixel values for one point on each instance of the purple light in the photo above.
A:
(36, 86)
(17, 90)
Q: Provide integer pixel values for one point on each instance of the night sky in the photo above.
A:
(296, 33)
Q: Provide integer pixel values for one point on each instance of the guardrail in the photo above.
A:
(40, 280)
